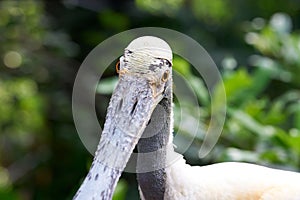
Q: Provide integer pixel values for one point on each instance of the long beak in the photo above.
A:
(129, 111)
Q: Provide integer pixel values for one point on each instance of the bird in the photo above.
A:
(140, 116)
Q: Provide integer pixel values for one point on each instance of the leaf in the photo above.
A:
(121, 190)
(234, 154)
(250, 123)
(107, 85)
(237, 86)
(181, 66)
(200, 90)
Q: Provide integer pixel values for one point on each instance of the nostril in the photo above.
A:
(133, 108)
(120, 104)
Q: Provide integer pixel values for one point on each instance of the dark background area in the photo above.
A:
(255, 44)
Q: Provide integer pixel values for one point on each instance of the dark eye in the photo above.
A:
(165, 76)
(118, 67)
(168, 63)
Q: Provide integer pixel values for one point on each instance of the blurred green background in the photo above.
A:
(255, 43)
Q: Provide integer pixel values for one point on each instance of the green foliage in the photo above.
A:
(22, 110)
(181, 66)
(108, 19)
(42, 45)
(121, 189)
(280, 47)
(31, 57)
(168, 7)
(212, 12)
(268, 125)
(235, 93)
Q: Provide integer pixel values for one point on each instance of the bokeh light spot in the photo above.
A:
(12, 59)
(4, 177)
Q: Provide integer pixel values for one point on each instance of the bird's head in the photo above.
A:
(147, 59)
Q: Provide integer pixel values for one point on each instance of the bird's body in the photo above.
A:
(230, 181)
(140, 114)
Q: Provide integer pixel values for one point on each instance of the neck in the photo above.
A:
(152, 148)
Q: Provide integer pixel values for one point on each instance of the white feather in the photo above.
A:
(230, 181)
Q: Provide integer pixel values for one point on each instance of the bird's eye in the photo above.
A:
(168, 63)
(165, 76)
(118, 67)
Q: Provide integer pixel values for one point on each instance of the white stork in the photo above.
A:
(133, 119)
